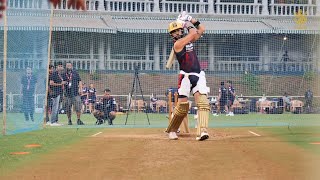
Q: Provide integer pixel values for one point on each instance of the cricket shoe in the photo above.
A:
(204, 135)
(173, 136)
(56, 124)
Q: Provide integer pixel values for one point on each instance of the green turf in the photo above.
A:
(160, 120)
(138, 120)
(299, 129)
(50, 140)
(300, 136)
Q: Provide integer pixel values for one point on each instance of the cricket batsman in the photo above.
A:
(191, 79)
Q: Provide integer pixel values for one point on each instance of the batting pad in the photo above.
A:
(203, 113)
(180, 111)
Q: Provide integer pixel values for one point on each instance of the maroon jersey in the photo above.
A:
(188, 59)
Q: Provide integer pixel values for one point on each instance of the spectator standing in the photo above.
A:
(57, 83)
(308, 97)
(222, 99)
(153, 103)
(28, 85)
(84, 97)
(231, 97)
(287, 101)
(73, 90)
(92, 97)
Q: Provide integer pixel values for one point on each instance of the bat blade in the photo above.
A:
(171, 59)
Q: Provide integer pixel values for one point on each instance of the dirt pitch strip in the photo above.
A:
(237, 153)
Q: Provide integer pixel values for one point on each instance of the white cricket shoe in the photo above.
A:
(48, 123)
(173, 136)
(215, 114)
(204, 135)
(56, 124)
(231, 114)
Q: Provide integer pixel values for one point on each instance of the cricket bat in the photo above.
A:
(171, 59)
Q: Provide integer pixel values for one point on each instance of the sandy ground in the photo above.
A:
(148, 154)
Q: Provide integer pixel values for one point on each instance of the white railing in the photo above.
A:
(292, 9)
(178, 6)
(92, 5)
(26, 4)
(75, 56)
(239, 8)
(129, 62)
(241, 66)
(129, 6)
(171, 6)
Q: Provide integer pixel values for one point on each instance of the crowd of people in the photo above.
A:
(66, 89)
(225, 99)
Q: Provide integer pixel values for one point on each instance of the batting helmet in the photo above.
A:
(174, 26)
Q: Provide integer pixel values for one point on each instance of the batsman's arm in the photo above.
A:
(171, 59)
(200, 27)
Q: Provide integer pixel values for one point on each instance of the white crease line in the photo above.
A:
(254, 133)
(96, 134)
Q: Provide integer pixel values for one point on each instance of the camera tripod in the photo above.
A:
(133, 90)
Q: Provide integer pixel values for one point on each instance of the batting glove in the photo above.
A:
(184, 16)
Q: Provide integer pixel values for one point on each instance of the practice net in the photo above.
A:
(275, 74)
(25, 71)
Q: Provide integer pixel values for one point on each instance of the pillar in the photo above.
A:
(156, 53)
(101, 52)
(147, 55)
(164, 53)
(101, 5)
(156, 6)
(91, 54)
(264, 54)
(211, 53)
(210, 9)
(108, 43)
(45, 5)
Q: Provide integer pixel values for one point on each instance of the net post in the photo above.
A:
(48, 62)
(5, 46)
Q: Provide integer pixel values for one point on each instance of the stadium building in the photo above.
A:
(264, 36)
